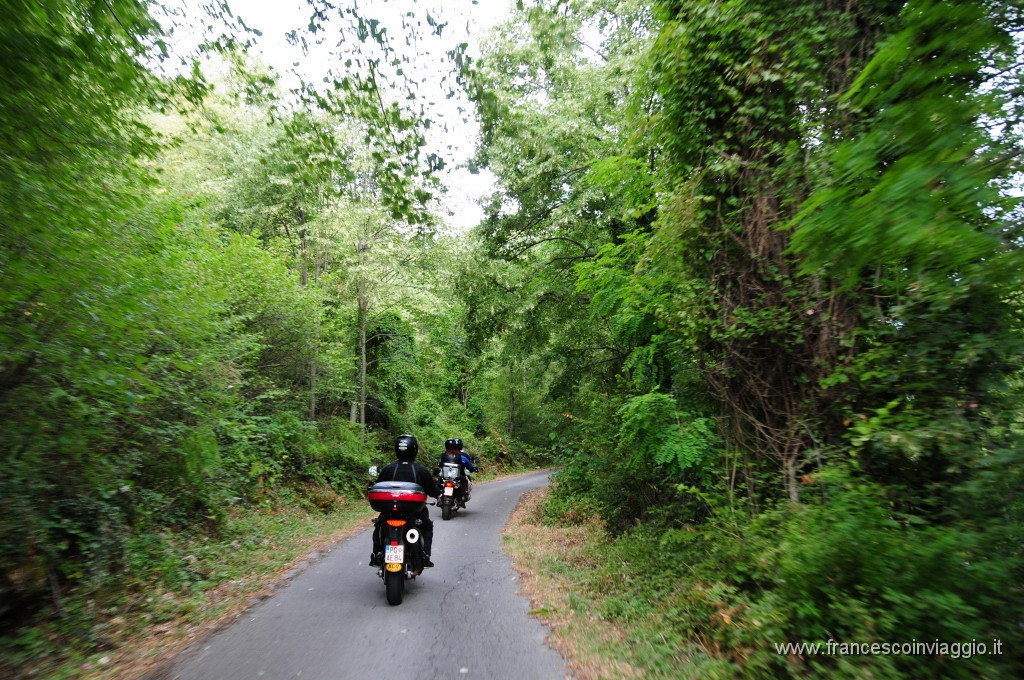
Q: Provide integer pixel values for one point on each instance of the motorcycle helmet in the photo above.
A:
(458, 443)
(406, 447)
(453, 444)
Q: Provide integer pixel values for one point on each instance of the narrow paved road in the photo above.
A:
(461, 619)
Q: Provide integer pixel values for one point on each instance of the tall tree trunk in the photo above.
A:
(791, 465)
(54, 580)
(312, 385)
(361, 249)
(303, 269)
(511, 406)
(314, 346)
(363, 307)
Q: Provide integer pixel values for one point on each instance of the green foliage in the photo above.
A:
(846, 569)
(732, 245)
(166, 310)
(394, 363)
(568, 509)
(916, 193)
(938, 334)
(171, 578)
(653, 429)
(829, 274)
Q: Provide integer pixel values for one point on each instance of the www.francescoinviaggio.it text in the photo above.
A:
(954, 650)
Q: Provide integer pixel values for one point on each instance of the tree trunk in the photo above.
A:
(362, 353)
(303, 269)
(792, 485)
(511, 406)
(314, 346)
(362, 248)
(54, 580)
(312, 385)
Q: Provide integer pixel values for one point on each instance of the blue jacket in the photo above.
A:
(467, 462)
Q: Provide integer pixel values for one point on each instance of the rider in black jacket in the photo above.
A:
(453, 454)
(407, 470)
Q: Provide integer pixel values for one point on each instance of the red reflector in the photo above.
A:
(398, 496)
(394, 542)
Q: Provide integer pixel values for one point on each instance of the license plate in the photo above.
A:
(448, 491)
(394, 554)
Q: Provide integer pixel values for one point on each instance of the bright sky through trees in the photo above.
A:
(468, 21)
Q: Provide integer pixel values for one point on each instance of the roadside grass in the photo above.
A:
(556, 565)
(607, 617)
(195, 585)
(718, 604)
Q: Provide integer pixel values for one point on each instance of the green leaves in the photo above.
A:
(651, 428)
(917, 185)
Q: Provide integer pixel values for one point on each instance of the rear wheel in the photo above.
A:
(446, 512)
(394, 583)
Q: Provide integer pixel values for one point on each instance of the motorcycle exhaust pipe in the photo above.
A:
(412, 536)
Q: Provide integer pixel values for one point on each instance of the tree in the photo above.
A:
(738, 126)
(555, 87)
(79, 354)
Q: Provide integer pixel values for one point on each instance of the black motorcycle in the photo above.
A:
(455, 492)
(399, 504)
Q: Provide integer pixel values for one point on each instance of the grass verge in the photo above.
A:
(613, 609)
(720, 604)
(555, 564)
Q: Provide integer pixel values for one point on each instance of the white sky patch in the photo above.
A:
(467, 22)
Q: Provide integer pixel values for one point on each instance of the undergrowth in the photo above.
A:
(719, 598)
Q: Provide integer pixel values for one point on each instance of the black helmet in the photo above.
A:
(453, 444)
(458, 443)
(406, 447)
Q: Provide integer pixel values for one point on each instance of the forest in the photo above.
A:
(750, 277)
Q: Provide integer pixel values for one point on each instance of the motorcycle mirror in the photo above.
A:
(372, 472)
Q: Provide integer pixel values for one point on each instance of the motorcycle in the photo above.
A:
(399, 504)
(453, 495)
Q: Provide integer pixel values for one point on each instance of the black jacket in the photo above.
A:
(453, 458)
(405, 471)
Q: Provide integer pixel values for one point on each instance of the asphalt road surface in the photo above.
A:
(461, 619)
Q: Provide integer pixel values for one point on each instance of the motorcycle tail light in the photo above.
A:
(396, 522)
(448, 484)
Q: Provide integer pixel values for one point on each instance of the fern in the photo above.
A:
(686, 445)
(652, 428)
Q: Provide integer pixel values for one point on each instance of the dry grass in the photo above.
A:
(539, 553)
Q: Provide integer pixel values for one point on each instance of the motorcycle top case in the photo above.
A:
(403, 497)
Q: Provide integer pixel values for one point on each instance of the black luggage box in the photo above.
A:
(403, 497)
